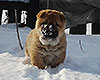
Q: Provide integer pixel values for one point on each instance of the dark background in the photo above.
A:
(33, 7)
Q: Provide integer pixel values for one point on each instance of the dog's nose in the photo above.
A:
(49, 31)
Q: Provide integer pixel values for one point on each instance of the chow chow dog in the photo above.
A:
(46, 44)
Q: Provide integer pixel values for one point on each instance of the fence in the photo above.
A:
(5, 17)
(85, 29)
(26, 12)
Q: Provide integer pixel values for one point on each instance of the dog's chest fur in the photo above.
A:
(50, 53)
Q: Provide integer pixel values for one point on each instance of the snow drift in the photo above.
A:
(78, 65)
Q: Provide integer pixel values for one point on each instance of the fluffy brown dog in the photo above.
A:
(46, 44)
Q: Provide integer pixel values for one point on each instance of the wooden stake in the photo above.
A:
(80, 44)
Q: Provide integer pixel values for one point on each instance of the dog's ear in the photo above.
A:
(62, 17)
(41, 14)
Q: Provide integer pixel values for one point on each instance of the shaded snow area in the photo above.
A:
(78, 65)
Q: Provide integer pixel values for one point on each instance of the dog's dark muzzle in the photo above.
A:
(49, 31)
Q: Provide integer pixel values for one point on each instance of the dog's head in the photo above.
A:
(50, 25)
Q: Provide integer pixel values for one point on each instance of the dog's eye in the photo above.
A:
(44, 22)
(57, 25)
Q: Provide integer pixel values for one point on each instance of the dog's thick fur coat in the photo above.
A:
(47, 52)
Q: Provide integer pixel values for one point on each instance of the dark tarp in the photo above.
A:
(25, 1)
(76, 11)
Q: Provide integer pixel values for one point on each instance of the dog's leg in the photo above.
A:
(37, 60)
(58, 60)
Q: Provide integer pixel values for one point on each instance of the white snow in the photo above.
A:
(78, 65)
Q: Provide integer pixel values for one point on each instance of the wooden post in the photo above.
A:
(68, 30)
(4, 19)
(89, 29)
(24, 17)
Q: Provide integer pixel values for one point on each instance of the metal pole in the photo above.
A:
(47, 4)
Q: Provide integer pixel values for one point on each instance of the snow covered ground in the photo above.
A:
(78, 65)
